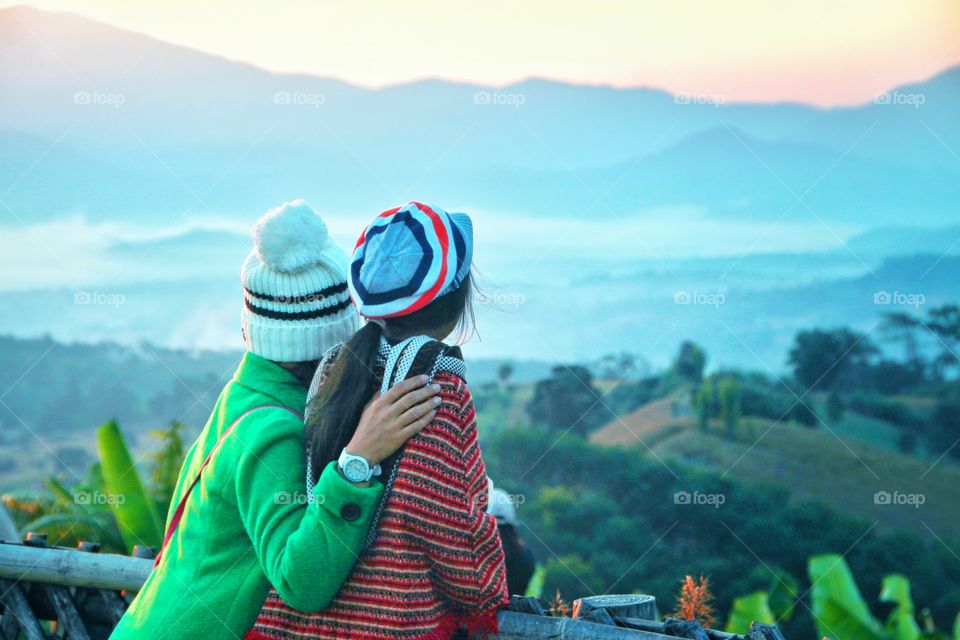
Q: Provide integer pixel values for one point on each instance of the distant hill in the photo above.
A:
(56, 394)
(837, 466)
(143, 130)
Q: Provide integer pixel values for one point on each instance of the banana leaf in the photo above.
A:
(902, 620)
(135, 512)
(782, 595)
(839, 610)
(63, 495)
(746, 610)
(67, 528)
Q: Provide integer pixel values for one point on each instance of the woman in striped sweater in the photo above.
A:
(434, 562)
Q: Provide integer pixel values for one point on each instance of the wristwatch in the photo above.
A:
(356, 468)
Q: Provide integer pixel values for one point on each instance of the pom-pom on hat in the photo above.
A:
(408, 257)
(296, 302)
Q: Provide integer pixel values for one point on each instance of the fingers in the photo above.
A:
(398, 390)
(415, 413)
(412, 399)
(416, 427)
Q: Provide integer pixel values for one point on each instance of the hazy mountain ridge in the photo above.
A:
(187, 129)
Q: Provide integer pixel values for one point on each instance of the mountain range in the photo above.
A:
(118, 125)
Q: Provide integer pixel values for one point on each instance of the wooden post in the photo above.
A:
(523, 626)
(16, 605)
(111, 602)
(67, 613)
(618, 606)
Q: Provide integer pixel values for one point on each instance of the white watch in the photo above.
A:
(356, 468)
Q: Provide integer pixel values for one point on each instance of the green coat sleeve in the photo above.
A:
(306, 550)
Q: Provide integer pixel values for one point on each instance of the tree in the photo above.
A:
(166, 464)
(803, 414)
(839, 358)
(890, 377)
(504, 372)
(690, 362)
(703, 401)
(945, 428)
(567, 400)
(944, 322)
(728, 391)
(902, 327)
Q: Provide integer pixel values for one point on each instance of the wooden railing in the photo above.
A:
(83, 593)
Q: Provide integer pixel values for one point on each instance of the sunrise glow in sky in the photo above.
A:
(821, 51)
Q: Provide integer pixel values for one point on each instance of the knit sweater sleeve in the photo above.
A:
(462, 541)
(296, 542)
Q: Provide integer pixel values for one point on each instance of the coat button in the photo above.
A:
(350, 511)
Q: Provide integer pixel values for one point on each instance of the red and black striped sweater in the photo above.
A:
(435, 564)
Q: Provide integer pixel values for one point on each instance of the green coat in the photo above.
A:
(247, 525)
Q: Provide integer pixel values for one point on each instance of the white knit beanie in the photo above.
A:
(296, 303)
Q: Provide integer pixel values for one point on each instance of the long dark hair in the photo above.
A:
(352, 378)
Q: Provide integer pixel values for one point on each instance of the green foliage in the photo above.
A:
(567, 401)
(835, 407)
(690, 362)
(803, 413)
(135, 511)
(876, 406)
(902, 620)
(839, 611)
(703, 401)
(69, 514)
(945, 427)
(783, 594)
(944, 321)
(117, 514)
(747, 609)
(570, 574)
(838, 358)
(615, 510)
(504, 372)
(166, 460)
(728, 392)
(629, 395)
(74, 386)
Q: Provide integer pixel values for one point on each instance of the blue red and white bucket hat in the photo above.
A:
(408, 257)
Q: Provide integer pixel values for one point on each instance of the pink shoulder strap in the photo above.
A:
(178, 514)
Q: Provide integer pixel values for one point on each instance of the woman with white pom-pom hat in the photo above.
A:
(239, 521)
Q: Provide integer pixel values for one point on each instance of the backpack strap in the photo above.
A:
(178, 514)
(399, 358)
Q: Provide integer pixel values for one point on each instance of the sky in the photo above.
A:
(826, 52)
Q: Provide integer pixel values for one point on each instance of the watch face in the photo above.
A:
(355, 470)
